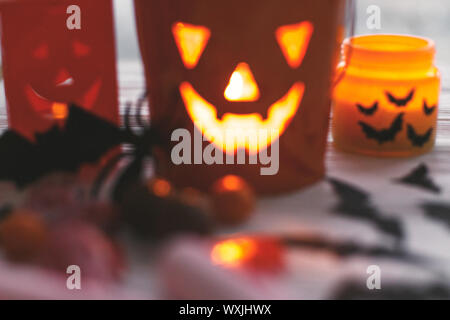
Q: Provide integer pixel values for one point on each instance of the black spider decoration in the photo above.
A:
(148, 215)
(139, 141)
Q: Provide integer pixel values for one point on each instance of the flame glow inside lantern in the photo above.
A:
(387, 103)
(231, 70)
(48, 66)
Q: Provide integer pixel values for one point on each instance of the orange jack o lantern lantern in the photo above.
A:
(56, 53)
(248, 76)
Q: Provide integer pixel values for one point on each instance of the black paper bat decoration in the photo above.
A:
(400, 102)
(428, 110)
(419, 140)
(84, 138)
(419, 177)
(368, 111)
(355, 203)
(383, 135)
(439, 211)
(347, 249)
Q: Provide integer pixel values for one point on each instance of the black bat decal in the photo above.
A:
(355, 203)
(384, 135)
(368, 111)
(439, 211)
(85, 138)
(428, 110)
(400, 102)
(418, 140)
(419, 177)
(347, 249)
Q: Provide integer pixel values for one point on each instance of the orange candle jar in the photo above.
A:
(387, 102)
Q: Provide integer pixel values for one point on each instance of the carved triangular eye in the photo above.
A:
(294, 41)
(191, 42)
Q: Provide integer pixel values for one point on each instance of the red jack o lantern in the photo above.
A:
(48, 65)
(221, 66)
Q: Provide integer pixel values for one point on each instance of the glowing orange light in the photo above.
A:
(389, 117)
(161, 188)
(232, 183)
(191, 41)
(242, 85)
(242, 131)
(294, 41)
(232, 253)
(59, 110)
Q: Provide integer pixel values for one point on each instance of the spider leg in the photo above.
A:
(105, 171)
(129, 176)
(139, 106)
(129, 133)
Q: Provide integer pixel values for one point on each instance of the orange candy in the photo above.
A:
(233, 200)
(23, 235)
(160, 188)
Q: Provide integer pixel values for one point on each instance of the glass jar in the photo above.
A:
(387, 101)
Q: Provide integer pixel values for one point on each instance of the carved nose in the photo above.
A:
(242, 85)
(63, 78)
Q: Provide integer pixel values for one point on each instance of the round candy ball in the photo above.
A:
(23, 235)
(233, 200)
(153, 211)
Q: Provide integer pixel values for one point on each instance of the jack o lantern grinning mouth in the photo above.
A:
(58, 110)
(239, 129)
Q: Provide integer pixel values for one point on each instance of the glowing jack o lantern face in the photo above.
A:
(239, 130)
(63, 81)
(48, 66)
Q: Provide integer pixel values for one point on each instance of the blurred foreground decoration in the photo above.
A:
(298, 266)
(57, 213)
(54, 216)
(258, 254)
(250, 76)
(420, 178)
(356, 203)
(56, 53)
